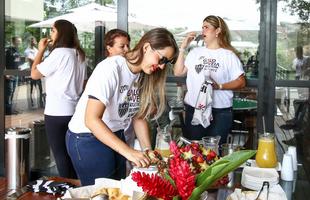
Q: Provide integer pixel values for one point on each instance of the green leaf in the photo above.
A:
(176, 198)
(207, 182)
(235, 160)
(219, 169)
(202, 176)
(168, 177)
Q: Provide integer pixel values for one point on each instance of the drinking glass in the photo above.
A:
(287, 170)
(211, 142)
(163, 140)
(292, 151)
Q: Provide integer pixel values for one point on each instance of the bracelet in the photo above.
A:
(181, 49)
(220, 86)
(146, 149)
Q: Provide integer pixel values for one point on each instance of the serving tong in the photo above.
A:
(183, 139)
(265, 184)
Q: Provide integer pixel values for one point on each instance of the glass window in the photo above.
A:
(26, 22)
(293, 41)
(181, 17)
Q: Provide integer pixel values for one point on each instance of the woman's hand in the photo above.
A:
(187, 40)
(43, 44)
(138, 158)
(215, 85)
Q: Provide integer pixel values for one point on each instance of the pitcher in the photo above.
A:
(212, 142)
(266, 153)
(163, 140)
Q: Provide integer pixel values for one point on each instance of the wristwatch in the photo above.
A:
(220, 86)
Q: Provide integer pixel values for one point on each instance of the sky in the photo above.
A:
(238, 14)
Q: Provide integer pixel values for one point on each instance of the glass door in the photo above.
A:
(293, 78)
(23, 24)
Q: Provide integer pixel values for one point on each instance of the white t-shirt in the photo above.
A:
(222, 65)
(115, 86)
(64, 75)
(31, 53)
(299, 65)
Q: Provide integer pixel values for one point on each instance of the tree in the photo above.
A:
(301, 8)
(53, 8)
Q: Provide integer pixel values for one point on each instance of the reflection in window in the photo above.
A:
(24, 97)
(293, 41)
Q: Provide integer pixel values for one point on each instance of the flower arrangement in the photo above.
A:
(189, 171)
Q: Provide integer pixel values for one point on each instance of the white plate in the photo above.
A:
(253, 177)
(275, 193)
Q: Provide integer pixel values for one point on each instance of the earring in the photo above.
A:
(216, 35)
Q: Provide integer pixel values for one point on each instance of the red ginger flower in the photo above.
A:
(155, 185)
(184, 179)
(175, 150)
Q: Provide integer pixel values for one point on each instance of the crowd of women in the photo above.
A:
(87, 119)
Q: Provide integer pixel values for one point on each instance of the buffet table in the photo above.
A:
(220, 194)
(23, 194)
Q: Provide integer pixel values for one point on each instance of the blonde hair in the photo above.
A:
(224, 35)
(152, 87)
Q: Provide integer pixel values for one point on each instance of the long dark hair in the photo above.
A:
(67, 37)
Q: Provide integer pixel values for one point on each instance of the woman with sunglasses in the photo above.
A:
(120, 90)
(219, 60)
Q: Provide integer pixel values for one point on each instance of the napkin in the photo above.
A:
(203, 107)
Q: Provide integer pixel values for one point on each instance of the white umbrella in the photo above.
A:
(93, 6)
(85, 18)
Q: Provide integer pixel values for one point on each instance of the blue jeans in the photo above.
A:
(220, 125)
(92, 159)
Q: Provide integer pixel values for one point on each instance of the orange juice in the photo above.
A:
(164, 152)
(266, 154)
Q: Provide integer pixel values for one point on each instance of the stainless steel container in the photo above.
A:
(17, 157)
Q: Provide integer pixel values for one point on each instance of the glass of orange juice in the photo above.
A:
(266, 153)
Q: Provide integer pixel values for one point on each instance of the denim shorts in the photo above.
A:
(92, 159)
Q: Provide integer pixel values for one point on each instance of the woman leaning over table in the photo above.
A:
(117, 43)
(120, 90)
(219, 59)
(65, 72)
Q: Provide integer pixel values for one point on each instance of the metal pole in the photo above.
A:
(122, 15)
(2, 66)
(99, 40)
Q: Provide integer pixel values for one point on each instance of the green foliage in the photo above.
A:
(219, 169)
(301, 8)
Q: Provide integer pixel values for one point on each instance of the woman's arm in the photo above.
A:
(35, 73)
(236, 84)
(142, 132)
(179, 67)
(93, 121)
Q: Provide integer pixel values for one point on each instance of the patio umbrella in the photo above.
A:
(85, 18)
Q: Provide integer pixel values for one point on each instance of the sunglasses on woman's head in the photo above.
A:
(162, 59)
